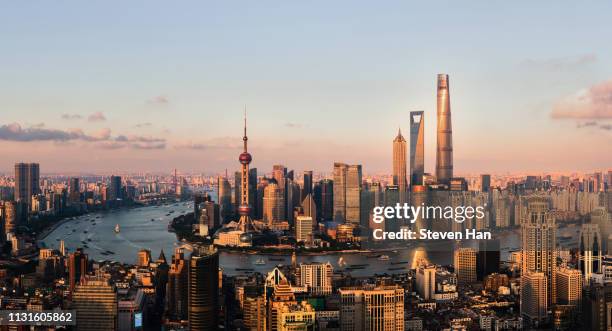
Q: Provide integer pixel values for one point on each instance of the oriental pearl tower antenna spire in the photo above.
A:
(245, 223)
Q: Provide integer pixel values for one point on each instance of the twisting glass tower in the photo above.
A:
(444, 156)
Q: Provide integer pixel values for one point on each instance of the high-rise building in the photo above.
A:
(254, 308)
(281, 296)
(590, 251)
(144, 257)
(598, 307)
(114, 188)
(417, 147)
(10, 213)
(538, 243)
(74, 192)
(569, 287)
(273, 205)
(96, 304)
(465, 265)
(224, 192)
(293, 317)
(176, 293)
(303, 229)
(317, 277)
(353, 194)
(27, 181)
(77, 267)
(444, 156)
(307, 185)
(340, 173)
(399, 166)
(485, 183)
(534, 297)
(324, 199)
(371, 308)
(600, 216)
(203, 289)
(426, 281)
(488, 258)
(309, 208)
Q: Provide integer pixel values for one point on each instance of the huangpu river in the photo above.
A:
(147, 227)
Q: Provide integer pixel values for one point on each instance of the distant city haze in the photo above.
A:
(153, 88)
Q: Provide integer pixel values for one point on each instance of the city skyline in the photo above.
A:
(158, 101)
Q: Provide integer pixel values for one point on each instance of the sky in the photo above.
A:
(115, 86)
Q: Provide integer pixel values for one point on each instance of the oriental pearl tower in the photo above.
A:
(245, 224)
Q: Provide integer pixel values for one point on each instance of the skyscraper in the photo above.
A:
(426, 281)
(465, 265)
(115, 188)
(307, 187)
(273, 202)
(77, 267)
(353, 194)
(444, 156)
(569, 287)
(316, 276)
(399, 165)
(590, 251)
(74, 193)
(204, 289)
(340, 172)
(488, 259)
(417, 147)
(372, 308)
(176, 294)
(485, 183)
(538, 243)
(534, 297)
(27, 181)
(324, 199)
(96, 304)
(224, 191)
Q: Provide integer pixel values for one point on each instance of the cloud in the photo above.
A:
(103, 138)
(593, 103)
(143, 125)
(159, 100)
(607, 127)
(214, 143)
(587, 124)
(97, 117)
(561, 63)
(66, 116)
(293, 125)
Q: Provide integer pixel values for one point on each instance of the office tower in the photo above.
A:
(176, 295)
(74, 192)
(77, 267)
(353, 194)
(598, 307)
(465, 265)
(293, 317)
(485, 183)
(204, 289)
(144, 257)
(198, 199)
(317, 277)
(96, 304)
(307, 187)
(417, 147)
(340, 173)
(10, 216)
(62, 248)
(310, 209)
(292, 199)
(371, 308)
(538, 243)
(444, 156)
(224, 197)
(569, 287)
(600, 216)
(590, 251)
(399, 166)
(245, 223)
(534, 297)
(161, 281)
(254, 312)
(324, 199)
(279, 173)
(281, 296)
(426, 281)
(391, 199)
(27, 181)
(273, 205)
(261, 186)
(488, 258)
(253, 191)
(114, 188)
(303, 229)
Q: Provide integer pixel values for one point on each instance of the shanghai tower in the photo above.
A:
(444, 155)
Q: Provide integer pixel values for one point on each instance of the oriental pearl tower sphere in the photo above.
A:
(245, 223)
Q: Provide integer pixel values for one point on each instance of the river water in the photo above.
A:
(147, 227)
